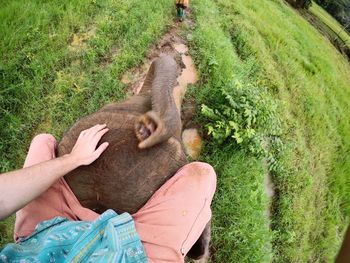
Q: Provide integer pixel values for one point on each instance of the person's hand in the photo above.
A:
(84, 151)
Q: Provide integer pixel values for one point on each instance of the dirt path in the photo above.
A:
(172, 44)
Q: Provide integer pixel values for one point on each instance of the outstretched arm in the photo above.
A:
(19, 187)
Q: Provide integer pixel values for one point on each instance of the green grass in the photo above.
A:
(263, 64)
(6, 230)
(271, 45)
(240, 225)
(240, 229)
(33, 48)
(330, 22)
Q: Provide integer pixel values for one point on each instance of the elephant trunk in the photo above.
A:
(163, 121)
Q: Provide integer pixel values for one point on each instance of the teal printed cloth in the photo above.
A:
(110, 238)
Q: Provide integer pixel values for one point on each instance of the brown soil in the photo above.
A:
(134, 78)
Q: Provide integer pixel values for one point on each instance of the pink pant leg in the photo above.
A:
(42, 148)
(176, 215)
(58, 200)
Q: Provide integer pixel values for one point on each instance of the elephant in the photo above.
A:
(145, 149)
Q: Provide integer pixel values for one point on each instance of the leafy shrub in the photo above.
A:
(246, 116)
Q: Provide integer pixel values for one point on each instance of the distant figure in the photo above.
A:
(181, 5)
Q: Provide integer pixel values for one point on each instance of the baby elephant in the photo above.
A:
(144, 150)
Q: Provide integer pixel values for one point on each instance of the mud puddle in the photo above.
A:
(188, 75)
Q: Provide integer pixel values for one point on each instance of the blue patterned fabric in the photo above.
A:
(110, 238)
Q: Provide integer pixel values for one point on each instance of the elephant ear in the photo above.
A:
(163, 121)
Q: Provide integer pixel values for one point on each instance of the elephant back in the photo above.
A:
(124, 177)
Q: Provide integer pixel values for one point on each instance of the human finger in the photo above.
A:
(100, 149)
(97, 137)
(87, 131)
(94, 129)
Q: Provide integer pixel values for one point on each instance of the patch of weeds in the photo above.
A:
(246, 116)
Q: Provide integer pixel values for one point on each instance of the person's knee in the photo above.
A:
(44, 138)
(42, 148)
(205, 173)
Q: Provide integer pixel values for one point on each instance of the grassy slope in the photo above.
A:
(331, 22)
(266, 44)
(310, 81)
(240, 229)
(33, 47)
(46, 85)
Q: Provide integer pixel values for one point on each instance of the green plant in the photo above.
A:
(246, 116)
